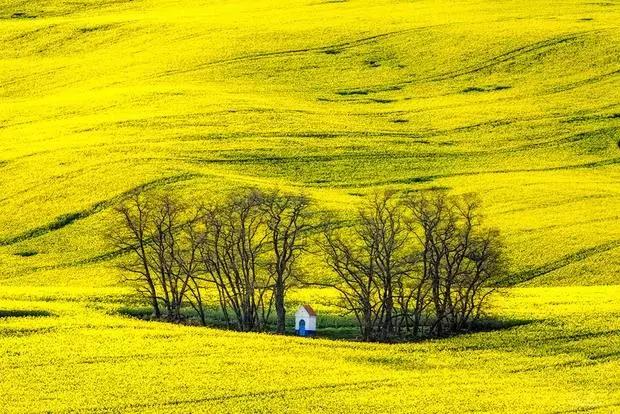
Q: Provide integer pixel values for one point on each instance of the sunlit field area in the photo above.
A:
(83, 356)
(517, 101)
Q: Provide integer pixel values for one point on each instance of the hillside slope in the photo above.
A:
(515, 100)
(85, 358)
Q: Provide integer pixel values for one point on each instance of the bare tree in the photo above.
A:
(461, 260)
(130, 233)
(485, 267)
(381, 226)
(419, 266)
(232, 247)
(427, 215)
(287, 224)
(166, 253)
(371, 263)
(163, 245)
(353, 267)
(405, 267)
(187, 258)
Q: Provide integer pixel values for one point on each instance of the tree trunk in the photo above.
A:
(280, 309)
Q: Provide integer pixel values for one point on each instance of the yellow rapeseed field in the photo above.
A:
(85, 357)
(516, 100)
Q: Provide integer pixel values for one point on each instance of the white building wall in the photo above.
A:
(302, 313)
(310, 320)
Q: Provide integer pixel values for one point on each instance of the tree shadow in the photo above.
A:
(22, 313)
(498, 324)
(330, 326)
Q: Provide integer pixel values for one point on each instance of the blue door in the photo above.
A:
(302, 327)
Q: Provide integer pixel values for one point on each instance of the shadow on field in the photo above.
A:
(67, 219)
(26, 253)
(21, 313)
(330, 326)
(497, 324)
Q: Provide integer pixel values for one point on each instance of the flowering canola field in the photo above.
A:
(84, 357)
(516, 100)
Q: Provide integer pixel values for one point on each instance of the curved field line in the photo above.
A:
(577, 256)
(335, 46)
(255, 394)
(26, 33)
(338, 47)
(569, 139)
(66, 176)
(427, 178)
(496, 60)
(589, 408)
(67, 219)
(595, 79)
(508, 56)
(373, 155)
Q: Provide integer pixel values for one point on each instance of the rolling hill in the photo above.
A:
(516, 100)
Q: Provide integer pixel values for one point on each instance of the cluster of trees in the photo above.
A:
(422, 265)
(406, 267)
(245, 248)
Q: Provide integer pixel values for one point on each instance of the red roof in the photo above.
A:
(309, 309)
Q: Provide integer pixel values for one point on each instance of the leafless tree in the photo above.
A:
(287, 224)
(354, 271)
(167, 253)
(372, 263)
(381, 226)
(131, 233)
(187, 258)
(461, 260)
(233, 244)
(162, 244)
(419, 266)
(411, 266)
